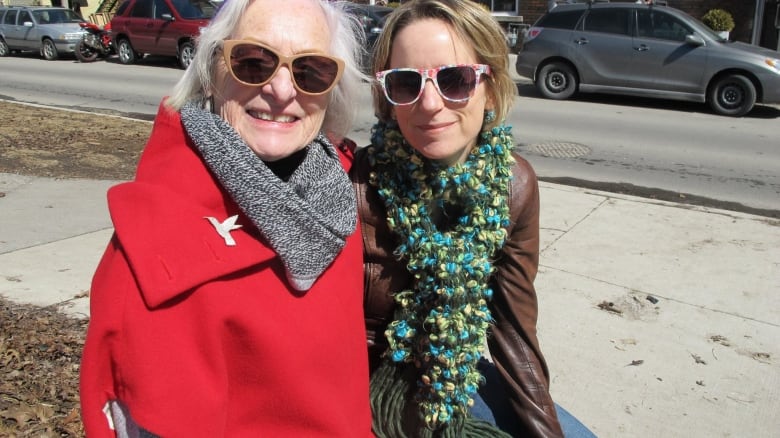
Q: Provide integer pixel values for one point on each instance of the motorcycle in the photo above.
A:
(95, 42)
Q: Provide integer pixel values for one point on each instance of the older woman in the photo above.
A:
(228, 302)
(450, 220)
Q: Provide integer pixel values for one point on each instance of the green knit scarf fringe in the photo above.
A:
(441, 323)
(396, 415)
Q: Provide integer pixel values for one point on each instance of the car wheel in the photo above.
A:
(186, 53)
(732, 95)
(125, 51)
(4, 50)
(49, 50)
(556, 80)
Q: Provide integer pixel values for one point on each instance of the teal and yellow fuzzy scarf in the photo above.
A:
(440, 324)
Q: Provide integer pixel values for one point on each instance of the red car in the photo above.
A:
(159, 27)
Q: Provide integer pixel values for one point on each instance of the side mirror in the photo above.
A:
(167, 17)
(694, 40)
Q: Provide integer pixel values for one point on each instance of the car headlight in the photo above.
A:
(71, 36)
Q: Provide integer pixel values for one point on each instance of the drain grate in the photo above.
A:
(557, 149)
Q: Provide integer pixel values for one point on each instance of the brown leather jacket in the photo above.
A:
(512, 339)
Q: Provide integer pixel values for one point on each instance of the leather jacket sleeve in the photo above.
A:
(512, 339)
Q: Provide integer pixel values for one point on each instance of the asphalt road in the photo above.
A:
(674, 151)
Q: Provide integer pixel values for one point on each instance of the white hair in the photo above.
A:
(347, 42)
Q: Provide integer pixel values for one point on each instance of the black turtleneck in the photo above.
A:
(284, 167)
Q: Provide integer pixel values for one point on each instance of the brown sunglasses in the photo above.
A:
(255, 64)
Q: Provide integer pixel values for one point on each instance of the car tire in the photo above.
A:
(186, 53)
(732, 95)
(49, 50)
(4, 49)
(556, 80)
(85, 53)
(125, 51)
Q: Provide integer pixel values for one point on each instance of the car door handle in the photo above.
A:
(581, 41)
(642, 48)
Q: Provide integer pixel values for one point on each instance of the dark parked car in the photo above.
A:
(645, 50)
(372, 17)
(50, 31)
(159, 27)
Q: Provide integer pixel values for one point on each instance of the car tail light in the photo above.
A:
(532, 33)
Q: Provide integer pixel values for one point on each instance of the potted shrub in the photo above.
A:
(720, 21)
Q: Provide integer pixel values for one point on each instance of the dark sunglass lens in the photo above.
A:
(252, 64)
(315, 74)
(457, 83)
(403, 86)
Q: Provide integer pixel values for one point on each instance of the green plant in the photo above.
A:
(718, 20)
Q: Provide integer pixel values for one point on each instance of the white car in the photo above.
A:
(48, 30)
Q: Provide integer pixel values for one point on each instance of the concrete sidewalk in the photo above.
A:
(657, 319)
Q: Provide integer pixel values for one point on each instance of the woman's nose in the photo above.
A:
(431, 99)
(281, 86)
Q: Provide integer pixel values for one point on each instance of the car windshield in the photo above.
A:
(195, 9)
(56, 16)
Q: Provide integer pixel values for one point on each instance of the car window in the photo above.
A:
(142, 9)
(41, 17)
(210, 8)
(56, 16)
(615, 21)
(193, 9)
(122, 8)
(161, 8)
(24, 16)
(657, 24)
(10, 17)
(560, 20)
(70, 16)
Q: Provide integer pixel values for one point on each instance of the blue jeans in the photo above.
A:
(490, 404)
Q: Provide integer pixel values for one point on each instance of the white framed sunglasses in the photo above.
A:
(455, 83)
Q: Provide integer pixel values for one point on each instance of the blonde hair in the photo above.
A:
(471, 22)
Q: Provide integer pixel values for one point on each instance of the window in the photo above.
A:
(57, 16)
(10, 17)
(122, 7)
(560, 20)
(161, 8)
(613, 21)
(191, 9)
(503, 6)
(142, 9)
(24, 16)
(656, 24)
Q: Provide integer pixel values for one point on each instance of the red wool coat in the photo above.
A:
(201, 339)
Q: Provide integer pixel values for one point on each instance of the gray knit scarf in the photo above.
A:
(306, 219)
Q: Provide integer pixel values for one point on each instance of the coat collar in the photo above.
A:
(161, 219)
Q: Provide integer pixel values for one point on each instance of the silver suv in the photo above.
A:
(645, 50)
(50, 31)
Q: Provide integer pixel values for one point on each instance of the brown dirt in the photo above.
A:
(68, 144)
(40, 348)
